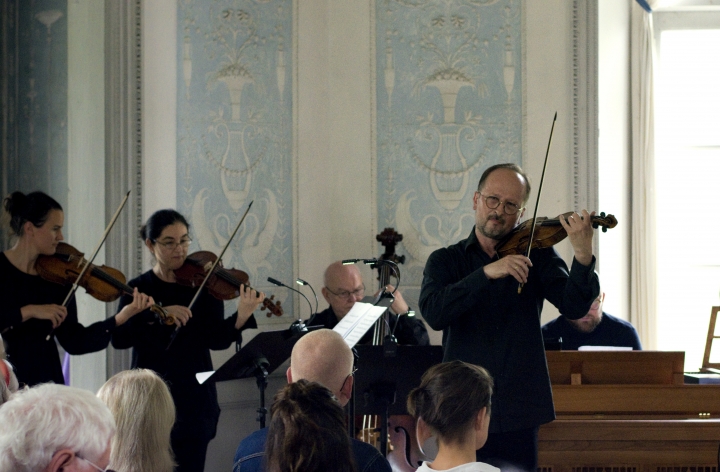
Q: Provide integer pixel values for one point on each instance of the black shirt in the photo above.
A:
(487, 323)
(189, 353)
(610, 332)
(36, 360)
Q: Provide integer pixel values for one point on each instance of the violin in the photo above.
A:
(548, 232)
(223, 284)
(102, 283)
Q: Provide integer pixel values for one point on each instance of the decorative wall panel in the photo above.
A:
(34, 99)
(449, 104)
(235, 131)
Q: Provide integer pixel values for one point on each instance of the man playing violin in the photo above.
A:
(472, 296)
(343, 286)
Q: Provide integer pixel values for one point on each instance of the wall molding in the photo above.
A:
(585, 107)
(123, 145)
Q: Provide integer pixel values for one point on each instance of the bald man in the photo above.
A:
(320, 356)
(344, 286)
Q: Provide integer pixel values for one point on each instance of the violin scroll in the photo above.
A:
(163, 315)
(605, 221)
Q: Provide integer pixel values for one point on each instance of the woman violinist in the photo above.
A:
(31, 306)
(178, 352)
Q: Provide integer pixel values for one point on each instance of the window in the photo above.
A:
(687, 166)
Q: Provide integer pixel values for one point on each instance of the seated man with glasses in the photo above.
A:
(53, 428)
(324, 357)
(597, 328)
(343, 286)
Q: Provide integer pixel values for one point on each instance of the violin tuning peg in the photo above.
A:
(604, 229)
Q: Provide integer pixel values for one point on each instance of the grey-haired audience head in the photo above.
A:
(53, 427)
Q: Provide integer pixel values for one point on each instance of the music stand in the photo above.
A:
(258, 358)
(382, 382)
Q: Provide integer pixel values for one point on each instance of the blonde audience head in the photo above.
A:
(145, 413)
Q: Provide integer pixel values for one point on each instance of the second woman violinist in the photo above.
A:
(178, 354)
(31, 306)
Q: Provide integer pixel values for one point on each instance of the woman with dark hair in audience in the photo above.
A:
(452, 403)
(31, 315)
(178, 352)
(307, 431)
(144, 414)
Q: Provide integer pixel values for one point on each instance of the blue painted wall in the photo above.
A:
(449, 105)
(235, 132)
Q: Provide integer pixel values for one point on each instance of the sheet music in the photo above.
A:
(358, 321)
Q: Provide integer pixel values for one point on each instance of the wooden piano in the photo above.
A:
(628, 411)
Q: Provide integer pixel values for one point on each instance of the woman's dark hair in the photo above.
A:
(307, 431)
(449, 398)
(33, 207)
(158, 221)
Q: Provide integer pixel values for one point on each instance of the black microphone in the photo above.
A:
(280, 284)
(303, 282)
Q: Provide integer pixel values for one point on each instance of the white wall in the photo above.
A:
(159, 104)
(614, 152)
(86, 164)
(548, 82)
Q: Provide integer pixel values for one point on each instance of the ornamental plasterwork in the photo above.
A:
(235, 133)
(449, 104)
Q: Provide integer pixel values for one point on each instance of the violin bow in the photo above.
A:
(94, 254)
(212, 269)
(537, 202)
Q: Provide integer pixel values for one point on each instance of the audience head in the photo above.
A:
(144, 413)
(343, 286)
(307, 431)
(453, 402)
(34, 208)
(589, 322)
(8, 379)
(53, 427)
(324, 357)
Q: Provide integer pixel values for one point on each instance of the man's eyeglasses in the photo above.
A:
(494, 202)
(172, 245)
(351, 374)
(98, 468)
(345, 294)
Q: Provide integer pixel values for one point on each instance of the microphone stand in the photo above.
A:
(303, 282)
(298, 324)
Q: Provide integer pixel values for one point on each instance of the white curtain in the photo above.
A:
(643, 275)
